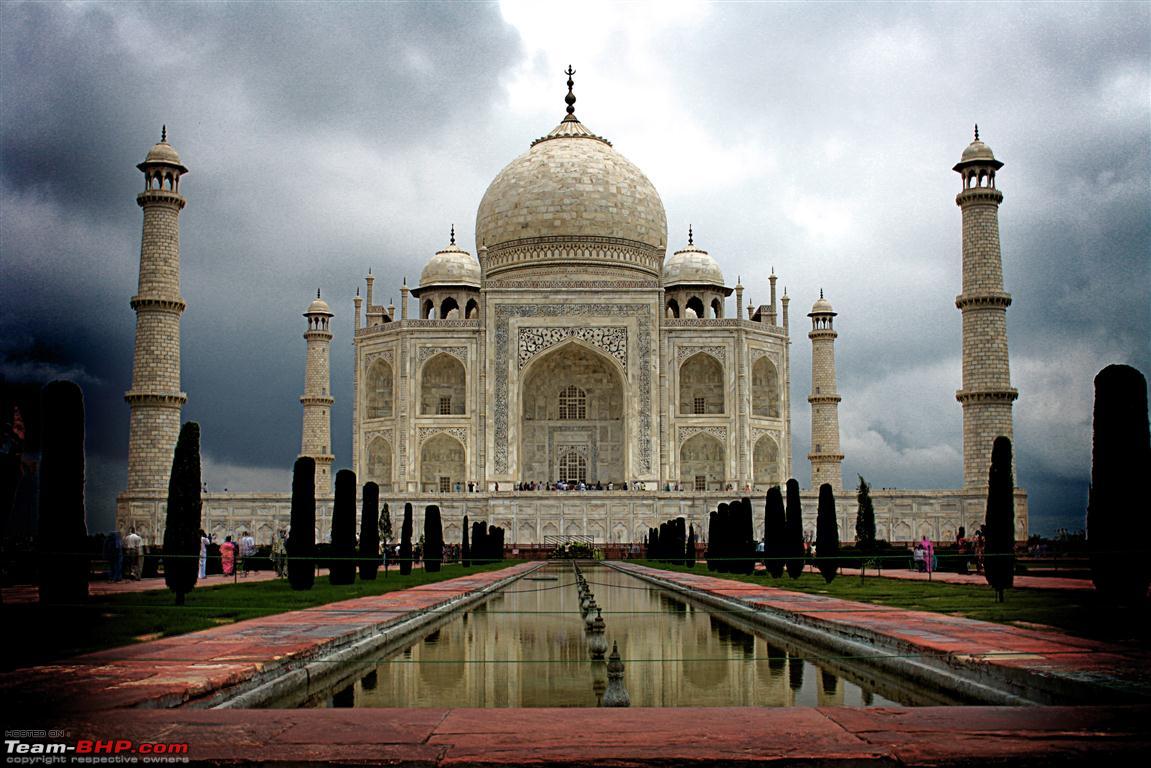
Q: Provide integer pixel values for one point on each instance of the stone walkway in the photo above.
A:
(123, 694)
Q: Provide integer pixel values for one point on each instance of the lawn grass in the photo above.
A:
(1079, 612)
(38, 634)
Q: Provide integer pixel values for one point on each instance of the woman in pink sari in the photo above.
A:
(228, 556)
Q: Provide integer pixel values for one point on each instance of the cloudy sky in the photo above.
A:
(324, 139)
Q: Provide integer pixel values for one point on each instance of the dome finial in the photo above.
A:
(453, 234)
(977, 131)
(317, 293)
(164, 134)
(690, 236)
(570, 98)
(821, 293)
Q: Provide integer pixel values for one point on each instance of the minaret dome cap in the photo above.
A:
(319, 307)
(821, 307)
(163, 154)
(977, 153)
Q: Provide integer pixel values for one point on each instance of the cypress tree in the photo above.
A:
(827, 534)
(386, 536)
(406, 541)
(182, 525)
(712, 530)
(370, 533)
(746, 530)
(301, 543)
(793, 531)
(498, 545)
(864, 517)
(663, 551)
(433, 539)
(1120, 456)
(690, 560)
(465, 548)
(63, 534)
(722, 543)
(1000, 546)
(774, 545)
(479, 546)
(680, 541)
(343, 567)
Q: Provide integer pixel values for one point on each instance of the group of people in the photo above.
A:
(125, 557)
(231, 554)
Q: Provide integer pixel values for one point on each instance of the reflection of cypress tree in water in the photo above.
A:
(795, 672)
(345, 697)
(671, 605)
(370, 680)
(433, 637)
(868, 697)
(776, 659)
(830, 681)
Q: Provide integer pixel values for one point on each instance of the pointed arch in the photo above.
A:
(379, 463)
(672, 308)
(472, 311)
(765, 399)
(765, 463)
(379, 391)
(701, 385)
(442, 462)
(702, 461)
(447, 306)
(443, 386)
(695, 305)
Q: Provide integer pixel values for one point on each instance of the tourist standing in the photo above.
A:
(247, 551)
(928, 554)
(228, 556)
(203, 554)
(133, 553)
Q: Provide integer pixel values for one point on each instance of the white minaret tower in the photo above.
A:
(987, 395)
(317, 398)
(155, 397)
(826, 460)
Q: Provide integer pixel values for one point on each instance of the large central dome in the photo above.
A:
(571, 200)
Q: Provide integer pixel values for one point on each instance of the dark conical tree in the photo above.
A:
(343, 567)
(63, 535)
(465, 547)
(680, 541)
(479, 543)
(774, 548)
(301, 544)
(1120, 457)
(386, 536)
(370, 533)
(182, 524)
(406, 541)
(793, 531)
(433, 539)
(827, 534)
(712, 530)
(864, 517)
(498, 545)
(663, 551)
(745, 526)
(689, 561)
(1000, 546)
(722, 543)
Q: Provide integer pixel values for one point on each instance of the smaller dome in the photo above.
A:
(318, 307)
(977, 150)
(822, 306)
(163, 153)
(691, 266)
(451, 266)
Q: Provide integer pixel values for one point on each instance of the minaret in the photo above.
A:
(987, 394)
(826, 460)
(155, 397)
(317, 399)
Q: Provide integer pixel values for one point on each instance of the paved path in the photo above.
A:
(1104, 671)
(978, 579)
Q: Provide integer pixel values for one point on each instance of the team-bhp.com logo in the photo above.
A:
(93, 751)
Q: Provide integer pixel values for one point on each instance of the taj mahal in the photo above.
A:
(570, 378)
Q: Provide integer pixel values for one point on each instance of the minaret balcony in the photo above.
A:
(1005, 395)
(174, 306)
(983, 299)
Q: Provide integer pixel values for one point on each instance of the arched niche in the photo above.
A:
(572, 400)
(379, 463)
(447, 307)
(694, 308)
(672, 308)
(701, 386)
(379, 391)
(443, 387)
(473, 310)
(765, 463)
(765, 389)
(701, 462)
(442, 459)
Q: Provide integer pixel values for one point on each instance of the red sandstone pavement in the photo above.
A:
(977, 579)
(1123, 672)
(121, 693)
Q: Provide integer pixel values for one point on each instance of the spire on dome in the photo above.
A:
(570, 98)
(453, 234)
(821, 293)
(977, 131)
(163, 134)
(317, 293)
(690, 236)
